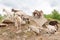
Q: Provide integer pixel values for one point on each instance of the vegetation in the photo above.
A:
(54, 15)
(1, 17)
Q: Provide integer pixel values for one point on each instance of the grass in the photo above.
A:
(54, 15)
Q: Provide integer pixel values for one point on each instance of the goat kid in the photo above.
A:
(51, 29)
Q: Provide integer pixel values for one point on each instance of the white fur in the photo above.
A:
(23, 22)
(50, 28)
(34, 28)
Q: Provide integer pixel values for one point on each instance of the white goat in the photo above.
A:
(50, 29)
(18, 21)
(34, 28)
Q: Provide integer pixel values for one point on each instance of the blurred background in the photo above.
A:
(51, 8)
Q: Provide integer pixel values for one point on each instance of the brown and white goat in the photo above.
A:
(52, 27)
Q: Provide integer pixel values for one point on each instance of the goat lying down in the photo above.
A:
(50, 29)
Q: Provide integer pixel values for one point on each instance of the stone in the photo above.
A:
(8, 22)
(3, 25)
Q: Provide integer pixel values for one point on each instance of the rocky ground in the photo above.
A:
(11, 33)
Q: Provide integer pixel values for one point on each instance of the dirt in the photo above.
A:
(11, 33)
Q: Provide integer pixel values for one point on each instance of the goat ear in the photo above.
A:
(41, 12)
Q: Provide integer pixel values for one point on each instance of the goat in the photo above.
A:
(54, 23)
(18, 21)
(52, 27)
(26, 19)
(36, 14)
(13, 10)
(17, 18)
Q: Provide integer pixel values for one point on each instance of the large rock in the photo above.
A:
(7, 21)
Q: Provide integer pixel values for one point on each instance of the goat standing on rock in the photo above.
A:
(17, 17)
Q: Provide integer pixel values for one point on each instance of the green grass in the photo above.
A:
(1, 17)
(54, 15)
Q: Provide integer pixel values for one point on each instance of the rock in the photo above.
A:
(3, 25)
(34, 28)
(5, 33)
(19, 31)
(8, 22)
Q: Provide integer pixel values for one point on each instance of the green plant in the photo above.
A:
(1, 17)
(54, 15)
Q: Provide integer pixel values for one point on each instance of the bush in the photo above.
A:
(54, 15)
